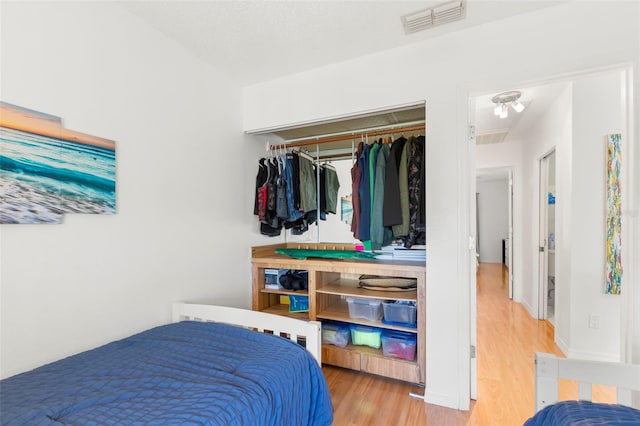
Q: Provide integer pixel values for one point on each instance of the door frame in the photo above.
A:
(543, 232)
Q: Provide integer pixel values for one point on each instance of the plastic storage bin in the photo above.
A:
(364, 308)
(366, 336)
(400, 312)
(298, 303)
(336, 334)
(399, 345)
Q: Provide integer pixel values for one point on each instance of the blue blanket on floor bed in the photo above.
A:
(184, 373)
(585, 414)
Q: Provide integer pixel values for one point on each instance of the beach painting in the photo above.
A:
(47, 171)
(614, 216)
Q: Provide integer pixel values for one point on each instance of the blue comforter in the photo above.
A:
(585, 414)
(184, 373)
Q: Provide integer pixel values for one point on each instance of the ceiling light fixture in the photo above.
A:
(440, 14)
(504, 100)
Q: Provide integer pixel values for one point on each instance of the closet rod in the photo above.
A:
(349, 136)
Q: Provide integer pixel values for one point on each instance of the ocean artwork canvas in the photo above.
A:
(47, 170)
(614, 216)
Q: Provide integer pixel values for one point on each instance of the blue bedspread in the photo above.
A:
(185, 373)
(585, 413)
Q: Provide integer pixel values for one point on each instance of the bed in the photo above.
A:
(549, 411)
(208, 367)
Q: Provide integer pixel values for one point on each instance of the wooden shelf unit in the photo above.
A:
(330, 282)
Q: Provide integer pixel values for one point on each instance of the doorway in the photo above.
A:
(547, 237)
(494, 218)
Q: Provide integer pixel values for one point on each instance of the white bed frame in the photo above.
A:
(549, 368)
(291, 328)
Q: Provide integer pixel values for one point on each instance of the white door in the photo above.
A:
(473, 366)
(509, 254)
(543, 234)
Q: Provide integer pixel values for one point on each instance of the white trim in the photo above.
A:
(260, 321)
(340, 117)
(443, 400)
(549, 369)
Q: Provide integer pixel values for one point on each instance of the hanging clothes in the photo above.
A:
(391, 213)
(380, 235)
(365, 196)
(282, 208)
(331, 188)
(308, 190)
(265, 203)
(416, 234)
(291, 187)
(356, 172)
(402, 229)
(373, 156)
(260, 197)
(296, 181)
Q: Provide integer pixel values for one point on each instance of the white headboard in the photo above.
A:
(263, 322)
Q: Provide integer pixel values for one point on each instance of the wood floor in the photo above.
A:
(507, 340)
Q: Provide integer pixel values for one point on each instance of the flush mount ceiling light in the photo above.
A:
(437, 15)
(504, 100)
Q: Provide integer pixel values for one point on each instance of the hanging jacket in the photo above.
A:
(356, 173)
(401, 230)
(380, 235)
(391, 213)
(365, 196)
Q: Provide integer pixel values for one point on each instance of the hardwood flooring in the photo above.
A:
(507, 340)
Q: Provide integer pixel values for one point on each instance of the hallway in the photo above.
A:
(507, 339)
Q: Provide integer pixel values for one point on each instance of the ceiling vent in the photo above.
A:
(491, 137)
(437, 15)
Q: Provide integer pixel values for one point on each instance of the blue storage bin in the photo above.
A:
(400, 312)
(335, 333)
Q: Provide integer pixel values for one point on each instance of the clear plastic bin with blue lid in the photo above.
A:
(400, 312)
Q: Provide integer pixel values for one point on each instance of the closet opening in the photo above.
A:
(331, 146)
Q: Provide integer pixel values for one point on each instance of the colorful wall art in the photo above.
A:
(614, 216)
(47, 170)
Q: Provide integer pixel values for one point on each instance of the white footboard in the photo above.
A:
(260, 321)
(549, 368)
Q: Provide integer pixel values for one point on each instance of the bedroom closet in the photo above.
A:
(374, 202)
(364, 183)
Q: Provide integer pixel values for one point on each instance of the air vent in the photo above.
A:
(438, 15)
(491, 138)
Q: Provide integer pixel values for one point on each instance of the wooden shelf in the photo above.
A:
(340, 312)
(284, 292)
(331, 281)
(284, 311)
(350, 287)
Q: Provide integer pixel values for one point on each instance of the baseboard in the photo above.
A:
(593, 356)
(529, 309)
(448, 401)
(564, 348)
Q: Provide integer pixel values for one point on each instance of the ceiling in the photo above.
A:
(493, 129)
(258, 40)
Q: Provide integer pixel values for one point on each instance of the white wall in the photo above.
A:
(551, 131)
(493, 218)
(550, 42)
(182, 184)
(597, 111)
